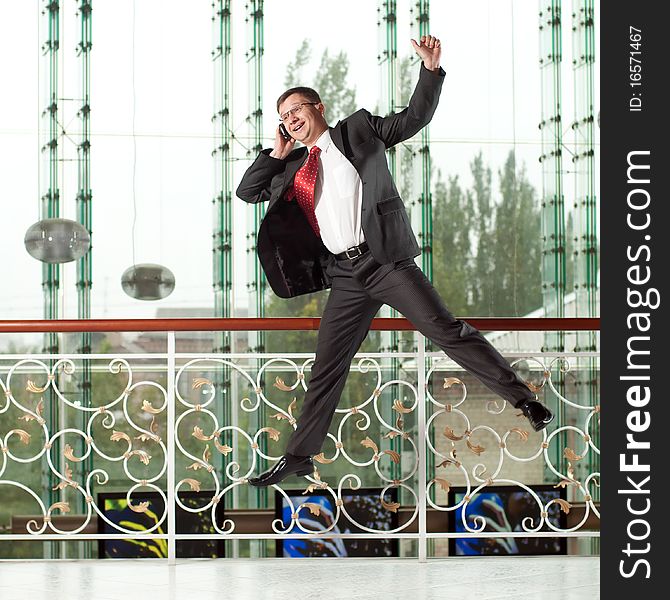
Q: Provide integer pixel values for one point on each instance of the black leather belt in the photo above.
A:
(354, 252)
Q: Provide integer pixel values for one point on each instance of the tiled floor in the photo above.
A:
(482, 578)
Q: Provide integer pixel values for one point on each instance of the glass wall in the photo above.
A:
(152, 191)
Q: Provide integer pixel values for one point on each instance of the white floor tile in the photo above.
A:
(482, 578)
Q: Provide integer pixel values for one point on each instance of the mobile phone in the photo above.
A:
(284, 132)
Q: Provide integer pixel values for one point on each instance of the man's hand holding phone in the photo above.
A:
(283, 146)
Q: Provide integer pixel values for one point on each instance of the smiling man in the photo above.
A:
(335, 220)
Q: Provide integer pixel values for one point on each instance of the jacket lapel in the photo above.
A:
(289, 173)
(340, 138)
(336, 136)
(291, 169)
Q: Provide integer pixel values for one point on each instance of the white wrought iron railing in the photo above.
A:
(414, 432)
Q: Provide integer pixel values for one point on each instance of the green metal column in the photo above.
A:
(223, 225)
(422, 27)
(257, 286)
(390, 100)
(388, 63)
(84, 196)
(254, 57)
(422, 176)
(585, 242)
(49, 190)
(553, 212)
(84, 264)
(50, 208)
(223, 178)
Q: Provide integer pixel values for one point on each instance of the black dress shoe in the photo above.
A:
(538, 414)
(285, 466)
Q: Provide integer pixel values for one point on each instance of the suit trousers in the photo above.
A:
(359, 287)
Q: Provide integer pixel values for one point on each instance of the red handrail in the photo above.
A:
(285, 324)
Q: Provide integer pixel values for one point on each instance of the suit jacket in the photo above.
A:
(293, 257)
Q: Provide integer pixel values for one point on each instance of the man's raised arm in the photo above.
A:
(423, 103)
(255, 184)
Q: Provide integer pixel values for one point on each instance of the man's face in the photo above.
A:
(308, 123)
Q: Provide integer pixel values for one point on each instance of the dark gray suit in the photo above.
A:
(296, 262)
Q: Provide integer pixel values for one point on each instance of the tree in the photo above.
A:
(452, 256)
(516, 259)
(487, 252)
(330, 82)
(482, 205)
(294, 70)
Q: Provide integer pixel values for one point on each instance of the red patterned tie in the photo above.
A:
(303, 187)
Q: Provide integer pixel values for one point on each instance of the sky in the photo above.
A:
(491, 100)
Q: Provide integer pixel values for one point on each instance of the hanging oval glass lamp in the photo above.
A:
(148, 282)
(57, 240)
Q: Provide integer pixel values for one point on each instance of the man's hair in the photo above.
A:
(307, 92)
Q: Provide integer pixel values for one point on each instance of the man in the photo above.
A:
(335, 220)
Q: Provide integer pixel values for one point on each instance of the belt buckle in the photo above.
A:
(356, 255)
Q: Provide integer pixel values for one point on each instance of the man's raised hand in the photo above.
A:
(282, 147)
(429, 50)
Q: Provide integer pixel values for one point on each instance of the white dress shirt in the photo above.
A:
(338, 197)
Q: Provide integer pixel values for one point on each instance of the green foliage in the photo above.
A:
(487, 251)
(331, 83)
(517, 244)
(406, 74)
(481, 288)
(330, 80)
(309, 305)
(451, 242)
(294, 69)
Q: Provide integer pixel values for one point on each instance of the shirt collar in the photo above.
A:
(323, 141)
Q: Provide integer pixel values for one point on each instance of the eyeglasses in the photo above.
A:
(295, 110)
